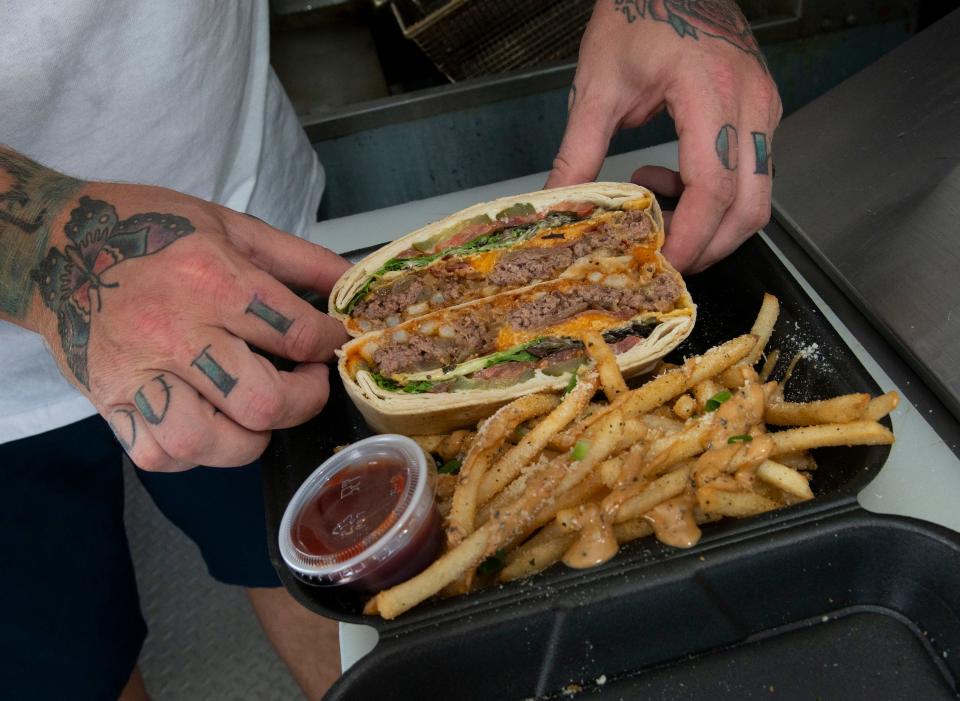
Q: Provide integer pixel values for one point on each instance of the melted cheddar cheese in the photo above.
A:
(571, 328)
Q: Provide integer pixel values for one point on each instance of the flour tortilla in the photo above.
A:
(440, 412)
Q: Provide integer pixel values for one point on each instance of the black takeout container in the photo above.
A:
(816, 600)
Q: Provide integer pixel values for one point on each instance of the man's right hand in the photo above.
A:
(149, 299)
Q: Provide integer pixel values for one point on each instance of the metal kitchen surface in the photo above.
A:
(869, 183)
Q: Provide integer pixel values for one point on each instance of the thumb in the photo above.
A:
(589, 128)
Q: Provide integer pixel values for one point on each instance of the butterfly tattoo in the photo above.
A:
(70, 280)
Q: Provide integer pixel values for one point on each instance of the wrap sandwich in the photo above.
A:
(468, 313)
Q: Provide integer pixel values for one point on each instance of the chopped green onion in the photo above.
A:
(571, 384)
(580, 450)
(743, 438)
(450, 467)
(494, 563)
(716, 400)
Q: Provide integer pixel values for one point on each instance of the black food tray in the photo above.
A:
(537, 633)
(849, 606)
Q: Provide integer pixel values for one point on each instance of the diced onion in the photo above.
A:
(428, 327)
(490, 290)
(417, 309)
(364, 325)
(393, 320)
(437, 298)
(368, 350)
(401, 336)
(595, 276)
(447, 331)
(618, 281)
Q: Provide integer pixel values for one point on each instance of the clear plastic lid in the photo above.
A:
(363, 507)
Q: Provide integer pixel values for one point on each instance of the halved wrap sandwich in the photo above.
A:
(490, 303)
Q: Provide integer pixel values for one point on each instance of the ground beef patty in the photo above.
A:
(660, 294)
(472, 337)
(615, 236)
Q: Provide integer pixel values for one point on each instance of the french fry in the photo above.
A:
(769, 365)
(800, 460)
(661, 489)
(685, 406)
(611, 379)
(489, 437)
(450, 566)
(537, 554)
(824, 435)
(705, 391)
(763, 327)
(714, 500)
(881, 406)
(785, 478)
(842, 409)
(508, 467)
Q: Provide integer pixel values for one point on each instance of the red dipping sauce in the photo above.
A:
(365, 518)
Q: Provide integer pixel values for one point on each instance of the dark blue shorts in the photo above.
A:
(70, 621)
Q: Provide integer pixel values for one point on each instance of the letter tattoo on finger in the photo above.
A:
(274, 318)
(151, 415)
(224, 381)
(728, 146)
(761, 147)
(125, 431)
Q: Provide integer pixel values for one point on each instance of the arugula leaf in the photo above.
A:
(716, 400)
(494, 563)
(450, 467)
(417, 387)
(743, 438)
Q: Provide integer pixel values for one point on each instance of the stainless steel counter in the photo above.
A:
(868, 178)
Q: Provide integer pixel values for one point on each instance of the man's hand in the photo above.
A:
(149, 299)
(699, 59)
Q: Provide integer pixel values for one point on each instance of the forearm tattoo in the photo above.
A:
(720, 19)
(274, 318)
(31, 196)
(71, 279)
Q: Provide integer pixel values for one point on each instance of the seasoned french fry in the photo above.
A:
(769, 365)
(785, 478)
(538, 553)
(450, 566)
(661, 489)
(800, 460)
(446, 484)
(824, 435)
(848, 407)
(763, 327)
(685, 406)
(491, 436)
(881, 406)
(721, 502)
(508, 467)
(705, 391)
(611, 379)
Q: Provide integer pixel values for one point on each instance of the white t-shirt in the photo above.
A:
(177, 93)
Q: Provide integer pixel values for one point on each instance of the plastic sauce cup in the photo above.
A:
(365, 518)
